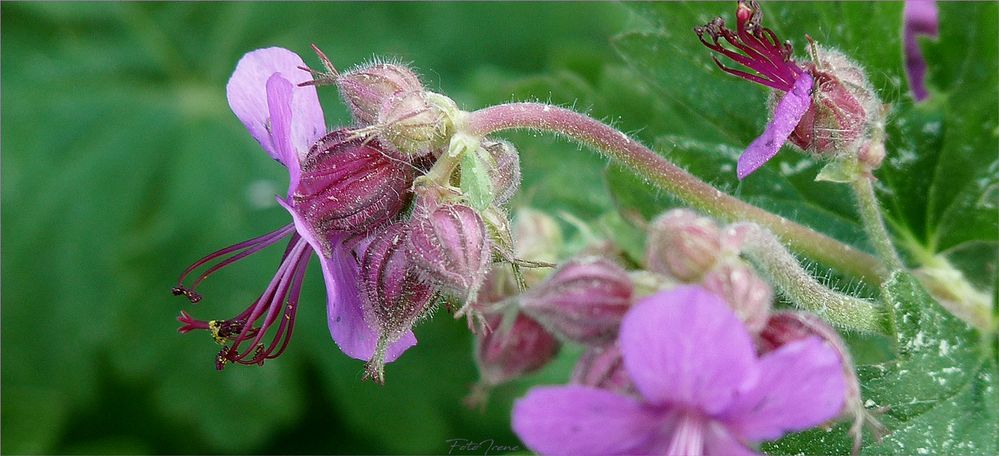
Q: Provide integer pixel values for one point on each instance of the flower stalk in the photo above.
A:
(671, 178)
(774, 260)
(874, 224)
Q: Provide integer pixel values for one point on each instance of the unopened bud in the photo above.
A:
(350, 185)
(603, 367)
(744, 291)
(504, 169)
(366, 89)
(504, 354)
(583, 301)
(514, 346)
(786, 327)
(536, 235)
(393, 295)
(844, 106)
(871, 155)
(449, 246)
(412, 123)
(682, 244)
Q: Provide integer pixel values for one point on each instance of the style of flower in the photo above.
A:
(269, 94)
(771, 61)
(920, 17)
(701, 388)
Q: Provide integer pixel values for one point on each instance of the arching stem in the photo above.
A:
(671, 178)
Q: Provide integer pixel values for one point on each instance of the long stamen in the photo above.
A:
(257, 309)
(761, 50)
(242, 249)
(291, 307)
(282, 296)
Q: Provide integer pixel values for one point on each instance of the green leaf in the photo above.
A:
(940, 393)
(942, 170)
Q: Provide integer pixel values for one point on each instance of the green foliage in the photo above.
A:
(940, 394)
(122, 164)
(938, 189)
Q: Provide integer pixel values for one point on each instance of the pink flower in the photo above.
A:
(824, 106)
(701, 388)
(759, 49)
(339, 188)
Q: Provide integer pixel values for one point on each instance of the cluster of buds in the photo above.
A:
(445, 247)
(402, 211)
(691, 248)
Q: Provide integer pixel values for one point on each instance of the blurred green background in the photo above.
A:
(122, 164)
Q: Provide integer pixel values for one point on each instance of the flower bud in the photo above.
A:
(412, 123)
(366, 89)
(744, 291)
(603, 367)
(785, 327)
(583, 301)
(449, 246)
(844, 105)
(682, 244)
(350, 185)
(536, 235)
(504, 170)
(393, 295)
(504, 354)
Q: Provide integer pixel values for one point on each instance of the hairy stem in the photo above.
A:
(870, 213)
(801, 288)
(669, 177)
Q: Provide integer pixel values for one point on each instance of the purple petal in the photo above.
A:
(345, 317)
(789, 111)
(719, 441)
(248, 97)
(279, 99)
(686, 347)
(580, 420)
(920, 19)
(350, 331)
(801, 385)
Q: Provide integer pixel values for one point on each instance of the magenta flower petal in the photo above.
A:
(920, 18)
(248, 98)
(345, 316)
(685, 347)
(350, 331)
(801, 385)
(279, 99)
(580, 420)
(718, 440)
(789, 112)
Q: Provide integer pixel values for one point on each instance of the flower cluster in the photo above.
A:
(374, 201)
(405, 209)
